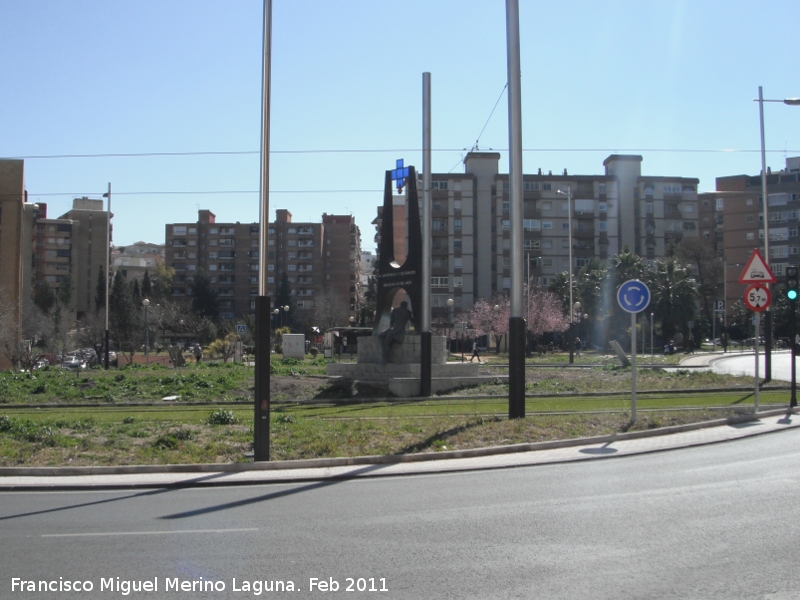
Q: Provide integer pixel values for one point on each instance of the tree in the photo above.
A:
(674, 296)
(484, 319)
(100, 291)
(147, 286)
(284, 298)
(123, 315)
(161, 283)
(330, 310)
(44, 297)
(544, 313)
(204, 299)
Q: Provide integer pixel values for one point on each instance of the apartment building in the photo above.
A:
(740, 222)
(317, 258)
(137, 258)
(12, 201)
(471, 223)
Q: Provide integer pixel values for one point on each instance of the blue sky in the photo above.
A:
(673, 81)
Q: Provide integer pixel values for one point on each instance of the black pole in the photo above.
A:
(426, 355)
(516, 368)
(261, 395)
(768, 346)
(106, 357)
(793, 346)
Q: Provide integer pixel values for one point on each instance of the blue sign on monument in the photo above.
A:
(633, 296)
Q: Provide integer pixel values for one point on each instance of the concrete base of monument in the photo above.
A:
(401, 375)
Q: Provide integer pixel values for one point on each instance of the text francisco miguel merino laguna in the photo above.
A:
(167, 584)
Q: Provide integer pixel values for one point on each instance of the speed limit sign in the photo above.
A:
(757, 297)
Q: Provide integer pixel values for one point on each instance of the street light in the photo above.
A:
(576, 308)
(568, 194)
(765, 203)
(450, 303)
(146, 303)
(286, 312)
(496, 309)
(108, 259)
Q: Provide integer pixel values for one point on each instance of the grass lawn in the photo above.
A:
(127, 422)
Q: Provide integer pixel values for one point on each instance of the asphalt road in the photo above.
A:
(745, 365)
(715, 521)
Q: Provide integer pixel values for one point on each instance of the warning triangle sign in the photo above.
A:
(757, 270)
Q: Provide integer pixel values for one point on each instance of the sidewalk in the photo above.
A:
(657, 440)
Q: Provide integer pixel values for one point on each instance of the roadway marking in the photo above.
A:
(179, 531)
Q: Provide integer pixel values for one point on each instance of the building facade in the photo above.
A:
(620, 209)
(320, 260)
(740, 223)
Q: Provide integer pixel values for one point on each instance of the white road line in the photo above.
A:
(177, 531)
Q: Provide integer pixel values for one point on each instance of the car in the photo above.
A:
(41, 364)
(73, 363)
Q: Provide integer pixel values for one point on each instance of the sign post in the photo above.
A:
(757, 298)
(633, 296)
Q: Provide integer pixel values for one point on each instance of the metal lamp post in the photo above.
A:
(568, 194)
(765, 210)
(276, 312)
(496, 309)
(450, 303)
(576, 308)
(146, 303)
(285, 316)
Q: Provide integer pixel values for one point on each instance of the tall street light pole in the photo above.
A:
(261, 395)
(568, 194)
(516, 322)
(108, 269)
(765, 209)
(146, 303)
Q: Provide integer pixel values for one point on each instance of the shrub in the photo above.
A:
(222, 417)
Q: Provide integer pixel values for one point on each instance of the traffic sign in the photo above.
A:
(719, 305)
(757, 270)
(633, 296)
(757, 297)
(240, 329)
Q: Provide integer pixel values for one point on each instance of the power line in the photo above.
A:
(390, 150)
(189, 193)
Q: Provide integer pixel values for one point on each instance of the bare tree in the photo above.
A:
(330, 310)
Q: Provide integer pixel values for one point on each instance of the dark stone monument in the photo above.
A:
(393, 277)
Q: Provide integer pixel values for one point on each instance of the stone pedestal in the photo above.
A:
(401, 375)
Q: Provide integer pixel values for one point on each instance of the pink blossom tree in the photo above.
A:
(544, 312)
(484, 319)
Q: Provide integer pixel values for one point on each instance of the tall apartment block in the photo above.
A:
(621, 209)
(12, 201)
(317, 258)
(740, 222)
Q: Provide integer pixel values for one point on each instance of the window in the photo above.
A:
(530, 186)
(457, 263)
(750, 236)
(506, 283)
(179, 230)
(547, 262)
(565, 226)
(672, 189)
(439, 185)
(506, 223)
(581, 262)
(601, 188)
(547, 224)
(456, 223)
(213, 231)
(793, 232)
(649, 208)
(688, 208)
(439, 224)
(457, 244)
(456, 204)
(192, 230)
(547, 206)
(531, 244)
(547, 187)
(457, 281)
(439, 281)
(603, 225)
(531, 224)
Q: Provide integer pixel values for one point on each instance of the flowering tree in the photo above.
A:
(544, 312)
(485, 319)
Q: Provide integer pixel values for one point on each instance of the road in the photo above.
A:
(745, 364)
(716, 521)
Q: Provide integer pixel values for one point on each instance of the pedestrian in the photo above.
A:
(577, 345)
(198, 353)
(475, 353)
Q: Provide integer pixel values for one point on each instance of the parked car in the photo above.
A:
(73, 363)
(41, 364)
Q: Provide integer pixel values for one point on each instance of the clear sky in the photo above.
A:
(123, 83)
